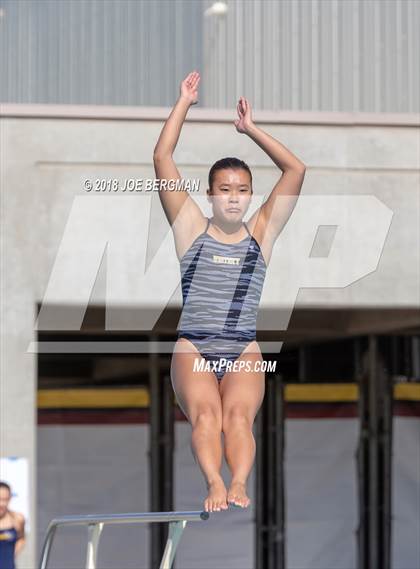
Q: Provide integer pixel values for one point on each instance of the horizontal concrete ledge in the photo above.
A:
(110, 112)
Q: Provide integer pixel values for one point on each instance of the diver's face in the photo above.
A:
(4, 500)
(231, 194)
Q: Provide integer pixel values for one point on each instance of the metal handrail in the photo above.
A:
(95, 522)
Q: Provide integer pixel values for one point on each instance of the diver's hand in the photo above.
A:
(245, 122)
(189, 87)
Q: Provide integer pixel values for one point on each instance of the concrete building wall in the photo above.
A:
(48, 153)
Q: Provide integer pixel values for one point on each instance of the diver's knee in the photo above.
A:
(236, 417)
(208, 419)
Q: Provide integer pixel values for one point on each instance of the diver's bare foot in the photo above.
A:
(237, 494)
(216, 499)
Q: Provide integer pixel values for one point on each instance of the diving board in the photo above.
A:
(95, 523)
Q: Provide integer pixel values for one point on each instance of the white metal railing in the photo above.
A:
(95, 523)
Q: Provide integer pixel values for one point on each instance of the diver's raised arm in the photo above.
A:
(178, 204)
(168, 138)
(274, 212)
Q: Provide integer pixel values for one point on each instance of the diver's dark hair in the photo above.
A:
(5, 485)
(229, 162)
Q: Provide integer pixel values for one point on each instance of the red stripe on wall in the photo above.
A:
(93, 416)
(321, 411)
(98, 416)
(140, 416)
(406, 408)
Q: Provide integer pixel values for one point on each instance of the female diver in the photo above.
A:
(223, 262)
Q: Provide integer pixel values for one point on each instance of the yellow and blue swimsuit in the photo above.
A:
(8, 538)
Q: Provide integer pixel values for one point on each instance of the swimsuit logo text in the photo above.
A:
(226, 260)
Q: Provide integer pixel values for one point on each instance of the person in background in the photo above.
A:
(12, 529)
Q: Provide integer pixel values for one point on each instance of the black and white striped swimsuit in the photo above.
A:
(221, 290)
